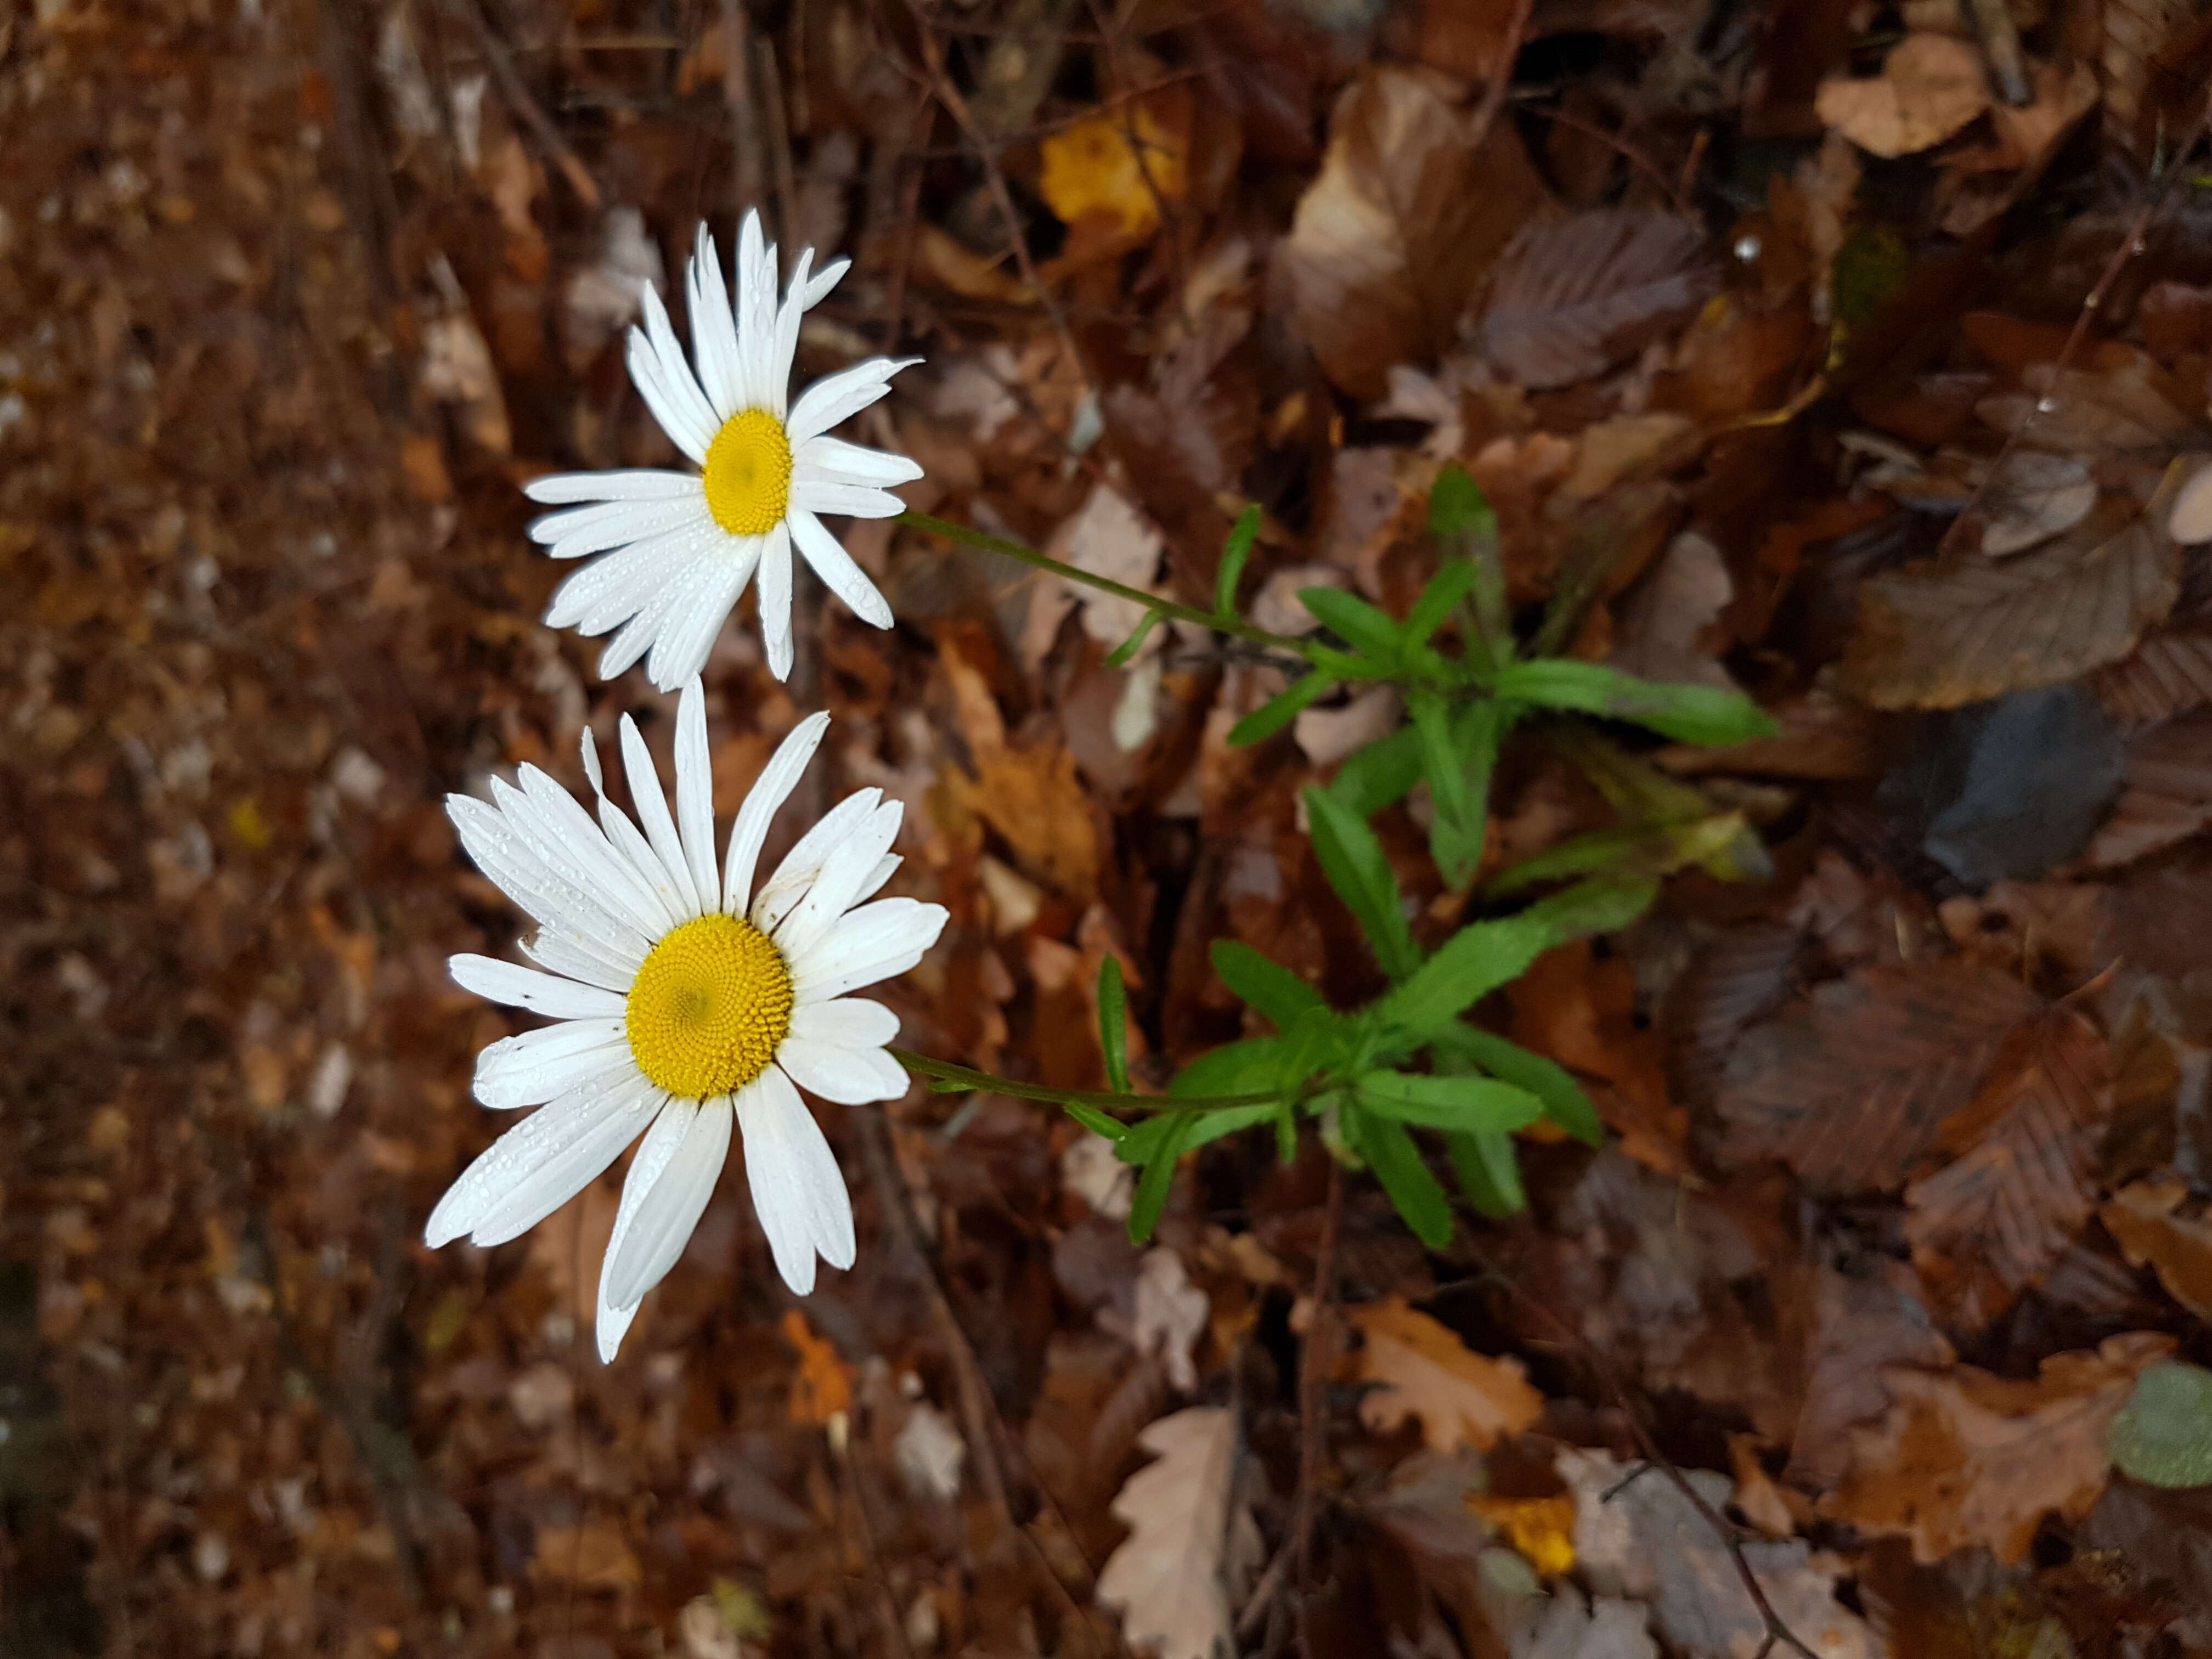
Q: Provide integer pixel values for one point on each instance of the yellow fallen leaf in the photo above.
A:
(1120, 164)
(1541, 1529)
(1461, 1397)
(823, 1386)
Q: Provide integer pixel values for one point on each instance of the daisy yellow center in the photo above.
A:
(710, 1007)
(749, 473)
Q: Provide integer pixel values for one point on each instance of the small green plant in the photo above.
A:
(1411, 1062)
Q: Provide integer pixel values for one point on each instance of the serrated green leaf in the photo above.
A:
(1354, 862)
(1478, 958)
(1687, 714)
(1564, 1102)
(1234, 554)
(1120, 655)
(1489, 1168)
(1351, 619)
(2163, 1436)
(1113, 1022)
(1234, 1068)
(1273, 989)
(1097, 1122)
(1454, 581)
(1397, 1163)
(1279, 710)
(1466, 1105)
(1152, 1194)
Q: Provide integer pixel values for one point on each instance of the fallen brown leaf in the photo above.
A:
(2141, 1220)
(1931, 86)
(1461, 1397)
(1178, 1574)
(1569, 300)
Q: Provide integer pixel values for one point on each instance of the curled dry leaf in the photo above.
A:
(1993, 1221)
(1569, 300)
(1389, 241)
(1191, 1545)
(1851, 1087)
(2032, 496)
(2143, 1219)
(1965, 1458)
(2190, 520)
(1461, 1397)
(1959, 630)
(1931, 86)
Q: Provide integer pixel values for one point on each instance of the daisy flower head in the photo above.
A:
(679, 547)
(686, 1004)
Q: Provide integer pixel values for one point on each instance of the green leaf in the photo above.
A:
(1354, 863)
(1379, 775)
(1687, 714)
(1397, 1163)
(1489, 1170)
(1096, 1121)
(1320, 1040)
(1151, 1196)
(1234, 1068)
(1635, 849)
(1235, 552)
(1279, 710)
(2163, 1436)
(1212, 1126)
(1458, 759)
(1466, 1104)
(1564, 1102)
(1273, 989)
(1440, 758)
(1354, 621)
(1457, 506)
(1454, 580)
(1478, 959)
(1113, 1022)
(1120, 655)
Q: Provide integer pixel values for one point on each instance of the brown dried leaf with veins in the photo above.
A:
(1461, 1397)
(2168, 795)
(1390, 239)
(1931, 86)
(1993, 1221)
(2143, 1221)
(1851, 1087)
(1570, 300)
(1965, 1458)
(1179, 1574)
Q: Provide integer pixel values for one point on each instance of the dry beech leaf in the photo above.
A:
(1191, 1547)
(1931, 86)
(2170, 672)
(2127, 403)
(1856, 1327)
(2033, 496)
(1389, 241)
(1993, 1221)
(2141, 1220)
(1946, 632)
(2190, 519)
(1461, 1397)
(1851, 1087)
(1571, 299)
(823, 1388)
(2168, 795)
(1966, 1458)
(2136, 32)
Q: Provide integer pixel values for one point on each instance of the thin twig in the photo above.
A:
(1493, 95)
(1628, 152)
(1310, 1377)
(516, 91)
(839, 1434)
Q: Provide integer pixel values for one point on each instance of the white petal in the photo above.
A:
(688, 639)
(785, 346)
(532, 1066)
(574, 531)
(669, 600)
(694, 791)
(617, 587)
(835, 890)
(873, 942)
(818, 289)
(783, 890)
(757, 310)
(523, 987)
(713, 331)
(884, 871)
(852, 1022)
(491, 842)
(835, 461)
(564, 954)
(676, 377)
(840, 395)
(672, 1209)
(568, 1155)
(775, 599)
(614, 880)
(772, 787)
(653, 813)
(852, 1077)
(835, 566)
(798, 1191)
(637, 484)
(654, 1153)
(538, 1155)
(854, 500)
(632, 847)
(680, 410)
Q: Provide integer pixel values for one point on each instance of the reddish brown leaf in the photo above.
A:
(2142, 1219)
(1856, 1328)
(1569, 300)
(1990, 1223)
(1853, 1085)
(2168, 793)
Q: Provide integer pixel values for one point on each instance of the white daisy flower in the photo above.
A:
(681, 546)
(686, 1003)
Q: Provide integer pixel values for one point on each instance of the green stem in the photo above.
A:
(1235, 626)
(1105, 1100)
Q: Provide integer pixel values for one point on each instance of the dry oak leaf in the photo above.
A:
(1947, 632)
(1994, 1220)
(1569, 300)
(1034, 799)
(1390, 240)
(1191, 1545)
(2141, 1220)
(1850, 1086)
(1966, 1458)
(1461, 1397)
(1931, 86)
